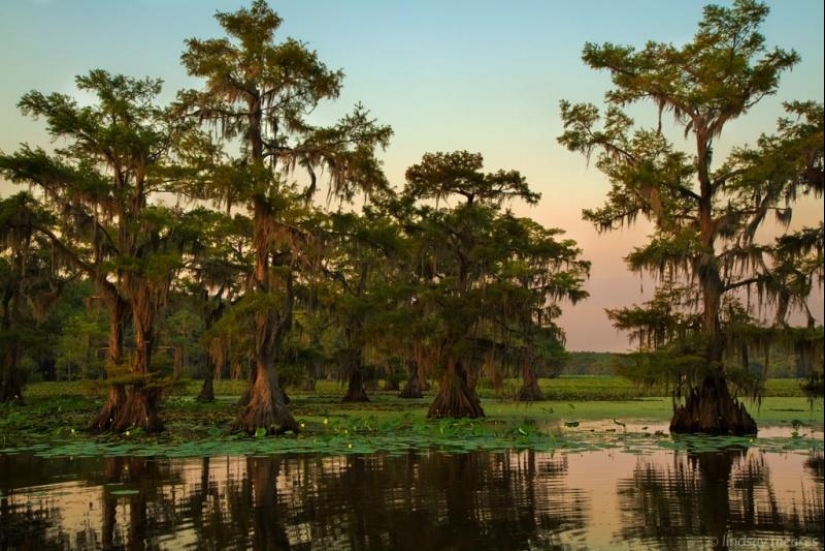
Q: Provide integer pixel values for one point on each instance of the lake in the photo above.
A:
(650, 497)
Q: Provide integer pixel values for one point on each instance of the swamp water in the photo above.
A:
(649, 495)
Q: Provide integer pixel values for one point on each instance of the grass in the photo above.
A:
(582, 413)
(576, 387)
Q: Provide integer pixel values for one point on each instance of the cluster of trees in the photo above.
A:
(211, 200)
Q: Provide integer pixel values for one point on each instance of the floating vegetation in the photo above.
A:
(54, 426)
(399, 436)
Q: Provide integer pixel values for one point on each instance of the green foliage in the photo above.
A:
(79, 346)
(440, 175)
(489, 282)
(704, 249)
(588, 363)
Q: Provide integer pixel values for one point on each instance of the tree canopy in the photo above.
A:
(705, 213)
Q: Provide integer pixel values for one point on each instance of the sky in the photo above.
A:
(478, 75)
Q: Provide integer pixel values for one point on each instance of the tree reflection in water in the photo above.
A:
(516, 500)
(711, 497)
(436, 501)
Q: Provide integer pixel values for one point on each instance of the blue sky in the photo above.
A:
(479, 75)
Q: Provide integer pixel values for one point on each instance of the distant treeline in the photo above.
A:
(780, 365)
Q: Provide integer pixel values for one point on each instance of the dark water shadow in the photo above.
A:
(417, 501)
(722, 499)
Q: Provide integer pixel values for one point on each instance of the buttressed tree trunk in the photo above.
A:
(143, 397)
(413, 387)
(207, 392)
(266, 407)
(116, 393)
(530, 390)
(455, 397)
(355, 377)
(710, 408)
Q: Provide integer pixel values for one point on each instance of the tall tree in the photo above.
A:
(259, 93)
(706, 218)
(118, 153)
(487, 275)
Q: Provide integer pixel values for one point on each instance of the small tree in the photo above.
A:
(361, 257)
(536, 270)
(487, 278)
(706, 217)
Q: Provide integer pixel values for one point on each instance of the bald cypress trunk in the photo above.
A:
(266, 407)
(530, 390)
(207, 392)
(141, 409)
(116, 392)
(455, 397)
(711, 409)
(413, 387)
(355, 377)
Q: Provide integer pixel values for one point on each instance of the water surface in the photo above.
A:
(607, 499)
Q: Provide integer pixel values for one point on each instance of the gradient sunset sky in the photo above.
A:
(478, 75)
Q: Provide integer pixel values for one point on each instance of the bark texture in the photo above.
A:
(455, 397)
(115, 398)
(412, 389)
(266, 406)
(530, 390)
(711, 409)
(356, 392)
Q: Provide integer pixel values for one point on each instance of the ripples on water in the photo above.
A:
(420, 501)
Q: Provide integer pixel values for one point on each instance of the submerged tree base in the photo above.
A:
(455, 398)
(264, 406)
(140, 411)
(356, 395)
(356, 388)
(711, 409)
(269, 415)
(105, 419)
(356, 391)
(412, 389)
(207, 393)
(530, 392)
(125, 411)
